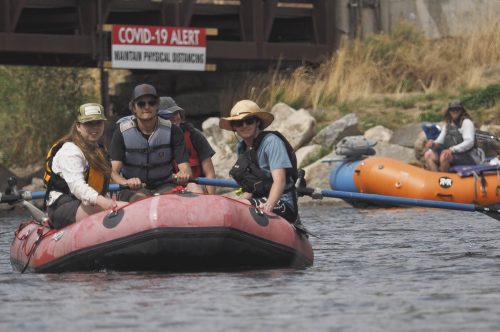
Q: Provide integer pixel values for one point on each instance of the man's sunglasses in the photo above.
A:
(151, 102)
(247, 121)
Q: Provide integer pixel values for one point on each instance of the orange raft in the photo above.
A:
(386, 176)
(181, 231)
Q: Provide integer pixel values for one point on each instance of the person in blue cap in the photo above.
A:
(200, 151)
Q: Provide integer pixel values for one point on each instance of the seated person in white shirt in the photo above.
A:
(77, 171)
(455, 144)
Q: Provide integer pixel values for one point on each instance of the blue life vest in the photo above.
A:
(147, 159)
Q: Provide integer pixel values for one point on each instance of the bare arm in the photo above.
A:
(209, 171)
(133, 183)
(279, 181)
(182, 177)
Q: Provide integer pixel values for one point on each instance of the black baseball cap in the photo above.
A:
(144, 90)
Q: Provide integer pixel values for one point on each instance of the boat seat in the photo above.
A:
(470, 170)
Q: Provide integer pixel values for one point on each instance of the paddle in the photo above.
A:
(486, 136)
(492, 211)
(316, 193)
(30, 195)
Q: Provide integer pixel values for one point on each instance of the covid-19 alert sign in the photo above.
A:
(158, 47)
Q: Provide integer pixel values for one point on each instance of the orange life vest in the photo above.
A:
(53, 181)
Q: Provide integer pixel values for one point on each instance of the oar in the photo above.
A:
(316, 193)
(486, 136)
(30, 195)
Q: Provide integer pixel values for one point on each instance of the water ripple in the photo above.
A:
(374, 270)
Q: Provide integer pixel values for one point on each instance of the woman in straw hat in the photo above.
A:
(77, 171)
(266, 167)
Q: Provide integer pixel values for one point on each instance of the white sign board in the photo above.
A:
(158, 47)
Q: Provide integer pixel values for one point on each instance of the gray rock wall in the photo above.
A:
(436, 18)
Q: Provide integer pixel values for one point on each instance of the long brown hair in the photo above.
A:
(463, 115)
(95, 154)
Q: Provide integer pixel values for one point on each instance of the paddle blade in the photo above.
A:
(492, 211)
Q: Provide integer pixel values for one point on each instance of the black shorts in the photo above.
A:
(281, 208)
(63, 211)
(462, 159)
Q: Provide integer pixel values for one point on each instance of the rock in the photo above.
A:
(220, 137)
(297, 126)
(346, 126)
(406, 135)
(306, 152)
(378, 134)
(395, 151)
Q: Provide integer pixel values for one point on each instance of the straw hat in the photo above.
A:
(245, 109)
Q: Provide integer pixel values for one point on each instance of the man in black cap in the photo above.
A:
(144, 147)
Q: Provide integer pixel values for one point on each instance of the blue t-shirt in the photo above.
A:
(272, 154)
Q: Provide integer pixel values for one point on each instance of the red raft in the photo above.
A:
(172, 232)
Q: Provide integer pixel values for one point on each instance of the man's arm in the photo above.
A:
(133, 183)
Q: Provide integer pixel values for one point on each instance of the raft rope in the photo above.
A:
(41, 235)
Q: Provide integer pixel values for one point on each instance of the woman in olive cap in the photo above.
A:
(77, 171)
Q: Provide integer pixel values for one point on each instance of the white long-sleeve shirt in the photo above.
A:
(468, 134)
(70, 163)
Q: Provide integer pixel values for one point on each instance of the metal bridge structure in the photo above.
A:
(70, 32)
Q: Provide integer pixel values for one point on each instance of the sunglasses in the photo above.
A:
(151, 102)
(247, 121)
(455, 109)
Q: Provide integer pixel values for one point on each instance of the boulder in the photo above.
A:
(378, 134)
(297, 126)
(406, 135)
(345, 126)
(306, 152)
(396, 151)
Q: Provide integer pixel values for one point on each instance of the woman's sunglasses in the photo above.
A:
(151, 102)
(455, 109)
(247, 121)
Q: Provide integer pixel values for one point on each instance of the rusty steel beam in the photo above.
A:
(5, 15)
(248, 29)
(43, 43)
(15, 11)
(270, 7)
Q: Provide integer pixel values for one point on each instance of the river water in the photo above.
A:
(374, 270)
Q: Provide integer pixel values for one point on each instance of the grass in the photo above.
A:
(42, 102)
(392, 80)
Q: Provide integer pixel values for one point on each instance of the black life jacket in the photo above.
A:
(247, 173)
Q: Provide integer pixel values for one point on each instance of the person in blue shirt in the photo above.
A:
(266, 168)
